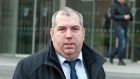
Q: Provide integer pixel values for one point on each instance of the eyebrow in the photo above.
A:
(70, 26)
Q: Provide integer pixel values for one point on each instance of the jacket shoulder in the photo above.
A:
(31, 63)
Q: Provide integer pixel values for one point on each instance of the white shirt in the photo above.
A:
(80, 69)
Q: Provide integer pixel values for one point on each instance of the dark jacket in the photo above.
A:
(45, 65)
(118, 11)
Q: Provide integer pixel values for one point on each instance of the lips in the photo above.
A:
(69, 45)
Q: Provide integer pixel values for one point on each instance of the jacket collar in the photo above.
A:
(92, 58)
(51, 56)
(52, 59)
(89, 55)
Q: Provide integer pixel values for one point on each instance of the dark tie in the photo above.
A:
(73, 74)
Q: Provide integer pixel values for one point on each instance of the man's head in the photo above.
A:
(67, 33)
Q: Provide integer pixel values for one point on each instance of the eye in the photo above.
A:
(75, 28)
(61, 28)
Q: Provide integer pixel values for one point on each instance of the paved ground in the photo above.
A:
(130, 71)
(7, 66)
(6, 72)
(115, 71)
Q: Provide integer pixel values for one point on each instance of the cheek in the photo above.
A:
(57, 43)
(57, 38)
(81, 37)
(79, 40)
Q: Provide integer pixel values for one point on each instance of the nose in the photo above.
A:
(69, 34)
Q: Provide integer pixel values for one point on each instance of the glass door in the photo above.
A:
(24, 27)
(102, 34)
(44, 13)
(34, 21)
(135, 31)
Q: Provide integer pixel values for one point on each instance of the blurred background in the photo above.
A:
(24, 28)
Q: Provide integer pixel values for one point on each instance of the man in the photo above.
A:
(120, 13)
(65, 48)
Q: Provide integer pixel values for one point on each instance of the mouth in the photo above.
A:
(69, 45)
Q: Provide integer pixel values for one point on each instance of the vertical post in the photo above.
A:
(128, 33)
(93, 23)
(14, 27)
(34, 26)
(133, 31)
(62, 3)
(110, 36)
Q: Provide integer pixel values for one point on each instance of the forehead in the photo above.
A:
(63, 14)
(69, 19)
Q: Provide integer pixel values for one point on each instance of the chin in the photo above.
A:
(71, 57)
(69, 52)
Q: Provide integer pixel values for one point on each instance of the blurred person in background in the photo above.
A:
(121, 15)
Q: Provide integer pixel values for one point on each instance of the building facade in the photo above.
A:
(24, 25)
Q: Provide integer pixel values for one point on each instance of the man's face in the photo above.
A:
(68, 36)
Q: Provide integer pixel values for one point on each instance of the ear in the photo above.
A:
(84, 33)
(51, 33)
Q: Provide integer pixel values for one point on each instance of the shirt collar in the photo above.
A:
(62, 59)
